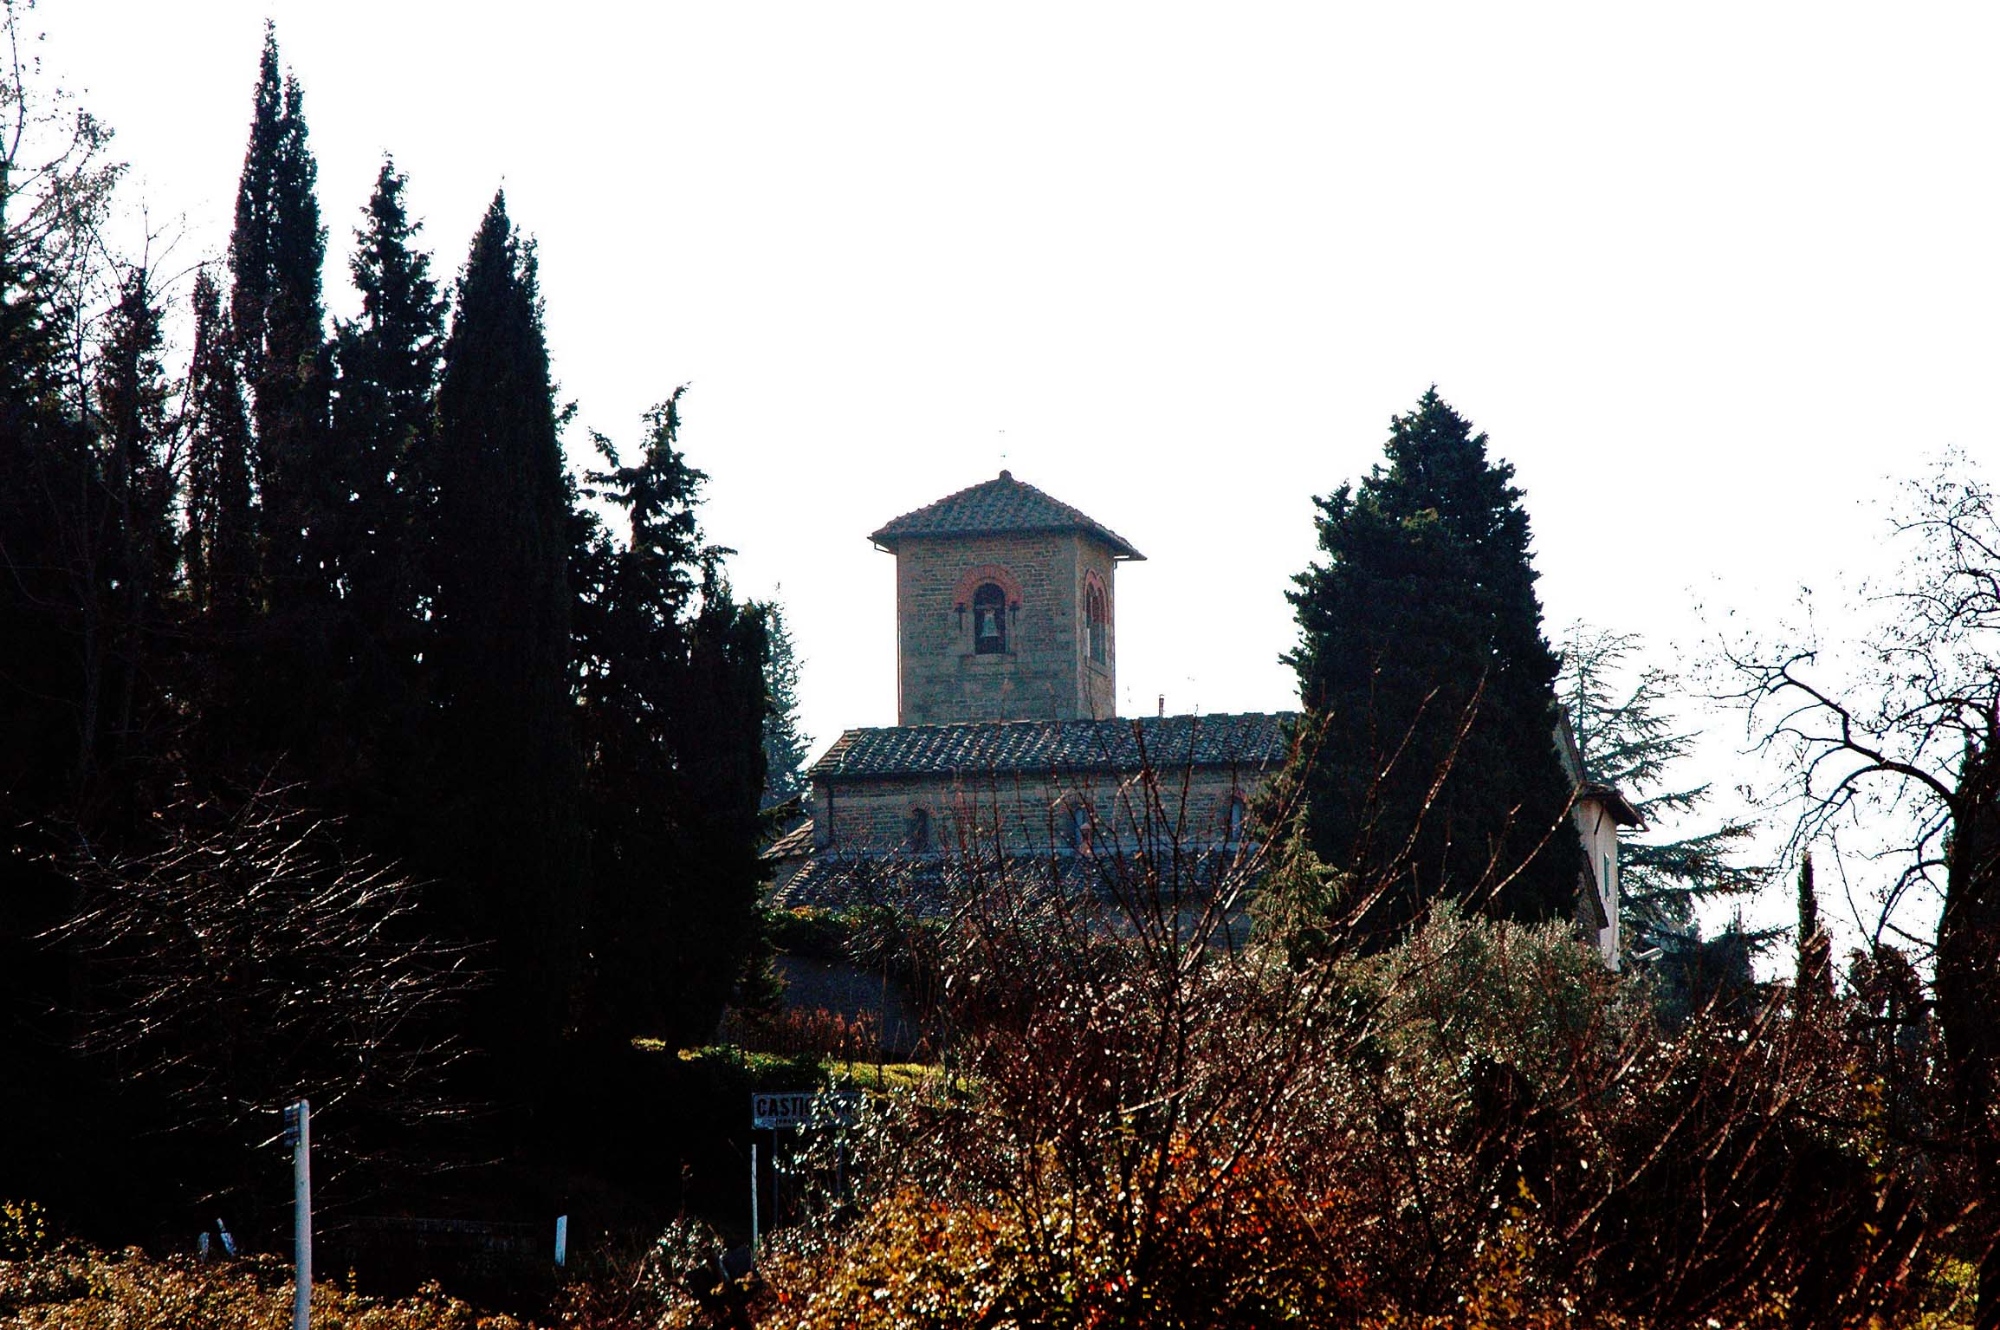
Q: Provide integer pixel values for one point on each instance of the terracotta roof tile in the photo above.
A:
(997, 507)
(1248, 739)
(798, 841)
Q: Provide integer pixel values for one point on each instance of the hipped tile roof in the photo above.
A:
(1248, 739)
(796, 842)
(999, 507)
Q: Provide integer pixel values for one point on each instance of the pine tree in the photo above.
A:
(673, 698)
(1421, 653)
(786, 745)
(1814, 984)
(1627, 740)
(500, 540)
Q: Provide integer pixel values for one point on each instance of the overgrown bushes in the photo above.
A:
(1478, 1126)
(49, 1284)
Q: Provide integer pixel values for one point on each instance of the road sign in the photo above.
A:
(802, 1108)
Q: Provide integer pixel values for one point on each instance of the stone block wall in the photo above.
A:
(1045, 673)
(1033, 812)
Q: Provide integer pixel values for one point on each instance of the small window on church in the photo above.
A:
(920, 831)
(1097, 620)
(1237, 812)
(989, 619)
(1076, 826)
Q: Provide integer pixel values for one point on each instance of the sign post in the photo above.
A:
(753, 1200)
(780, 1110)
(298, 1131)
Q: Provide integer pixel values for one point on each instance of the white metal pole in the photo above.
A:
(302, 1230)
(753, 1200)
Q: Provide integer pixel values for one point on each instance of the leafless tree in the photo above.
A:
(245, 959)
(1909, 738)
(1153, 1116)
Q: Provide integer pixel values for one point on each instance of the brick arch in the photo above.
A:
(986, 572)
(1091, 579)
(1096, 648)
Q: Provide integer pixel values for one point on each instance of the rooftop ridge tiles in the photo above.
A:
(997, 506)
(1217, 739)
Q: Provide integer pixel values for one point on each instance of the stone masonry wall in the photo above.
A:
(1100, 682)
(873, 814)
(1044, 674)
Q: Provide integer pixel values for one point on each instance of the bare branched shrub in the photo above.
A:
(1151, 1114)
(246, 959)
(1892, 740)
(814, 1032)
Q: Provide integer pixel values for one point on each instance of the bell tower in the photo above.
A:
(1004, 608)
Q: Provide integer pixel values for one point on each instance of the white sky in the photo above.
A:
(1707, 273)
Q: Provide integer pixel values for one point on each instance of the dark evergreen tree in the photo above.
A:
(277, 256)
(290, 704)
(787, 747)
(1421, 653)
(250, 240)
(132, 398)
(1814, 983)
(1714, 974)
(220, 544)
(375, 517)
(386, 372)
(672, 682)
(507, 819)
(132, 562)
(1627, 740)
(300, 487)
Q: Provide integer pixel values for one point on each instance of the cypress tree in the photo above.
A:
(718, 731)
(1421, 652)
(220, 544)
(303, 498)
(134, 563)
(500, 547)
(1814, 983)
(250, 239)
(132, 395)
(277, 254)
(386, 371)
(287, 700)
(386, 367)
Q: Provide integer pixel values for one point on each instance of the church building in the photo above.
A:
(1007, 741)
(1006, 737)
